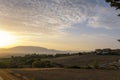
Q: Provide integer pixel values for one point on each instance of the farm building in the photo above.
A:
(107, 51)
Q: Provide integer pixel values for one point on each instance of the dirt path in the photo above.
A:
(1, 78)
(8, 74)
(5, 75)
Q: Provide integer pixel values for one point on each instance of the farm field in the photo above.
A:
(84, 60)
(5, 75)
(60, 74)
(65, 73)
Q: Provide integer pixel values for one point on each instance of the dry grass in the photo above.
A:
(66, 74)
(70, 74)
(84, 60)
(6, 76)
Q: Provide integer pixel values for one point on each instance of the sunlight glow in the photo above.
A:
(6, 39)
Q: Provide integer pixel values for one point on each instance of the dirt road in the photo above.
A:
(5, 75)
(1, 78)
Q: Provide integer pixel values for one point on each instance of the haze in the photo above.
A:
(61, 24)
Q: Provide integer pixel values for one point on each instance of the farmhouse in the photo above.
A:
(107, 51)
(103, 51)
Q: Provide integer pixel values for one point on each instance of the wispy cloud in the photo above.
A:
(39, 19)
(105, 18)
(49, 16)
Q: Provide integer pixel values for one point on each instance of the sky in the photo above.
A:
(61, 24)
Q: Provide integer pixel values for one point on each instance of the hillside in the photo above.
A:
(84, 60)
(20, 50)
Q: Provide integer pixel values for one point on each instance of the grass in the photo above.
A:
(69, 74)
(7, 76)
(85, 60)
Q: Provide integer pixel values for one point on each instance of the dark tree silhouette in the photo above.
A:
(114, 3)
(118, 40)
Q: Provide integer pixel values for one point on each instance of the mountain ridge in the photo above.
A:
(28, 50)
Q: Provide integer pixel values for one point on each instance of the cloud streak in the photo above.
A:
(54, 15)
(37, 20)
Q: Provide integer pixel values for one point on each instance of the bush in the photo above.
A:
(88, 67)
(57, 65)
(74, 67)
(3, 65)
(41, 64)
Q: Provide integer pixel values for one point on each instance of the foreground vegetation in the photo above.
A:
(60, 74)
(74, 61)
(31, 60)
(55, 67)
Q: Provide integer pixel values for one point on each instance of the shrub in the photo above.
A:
(41, 64)
(3, 65)
(74, 67)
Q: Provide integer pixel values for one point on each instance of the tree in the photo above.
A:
(41, 64)
(36, 64)
(114, 3)
(118, 40)
(3, 65)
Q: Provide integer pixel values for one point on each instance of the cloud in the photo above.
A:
(105, 18)
(53, 16)
(46, 14)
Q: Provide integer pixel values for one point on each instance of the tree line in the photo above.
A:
(31, 61)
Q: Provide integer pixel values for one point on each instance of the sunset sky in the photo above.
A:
(60, 24)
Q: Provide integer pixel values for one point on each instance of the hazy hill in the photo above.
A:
(20, 50)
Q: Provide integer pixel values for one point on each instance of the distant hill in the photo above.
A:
(20, 50)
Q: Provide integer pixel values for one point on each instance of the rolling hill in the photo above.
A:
(20, 50)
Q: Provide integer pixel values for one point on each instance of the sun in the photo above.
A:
(6, 39)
